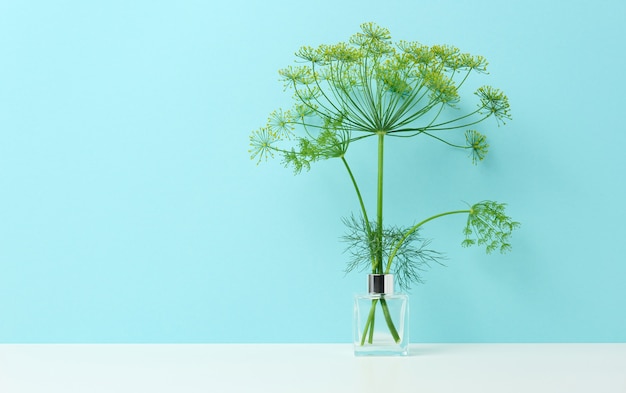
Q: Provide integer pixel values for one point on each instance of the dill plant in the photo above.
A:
(370, 87)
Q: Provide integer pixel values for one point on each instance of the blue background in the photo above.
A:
(130, 210)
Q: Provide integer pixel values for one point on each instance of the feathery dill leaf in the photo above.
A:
(412, 258)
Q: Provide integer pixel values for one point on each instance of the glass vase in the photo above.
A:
(381, 319)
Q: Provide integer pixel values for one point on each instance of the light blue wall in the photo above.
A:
(131, 212)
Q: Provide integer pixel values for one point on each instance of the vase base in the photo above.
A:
(380, 351)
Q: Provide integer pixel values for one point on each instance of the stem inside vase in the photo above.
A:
(368, 330)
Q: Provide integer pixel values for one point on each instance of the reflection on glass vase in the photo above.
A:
(381, 319)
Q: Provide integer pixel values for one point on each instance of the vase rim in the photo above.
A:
(380, 284)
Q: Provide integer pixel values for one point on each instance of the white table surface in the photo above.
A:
(320, 368)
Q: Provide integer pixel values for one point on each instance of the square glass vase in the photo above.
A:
(381, 324)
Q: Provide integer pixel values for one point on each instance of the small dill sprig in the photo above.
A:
(411, 258)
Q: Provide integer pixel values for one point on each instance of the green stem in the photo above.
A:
(370, 338)
(379, 206)
(369, 324)
(390, 325)
(368, 330)
(368, 228)
(413, 229)
(377, 269)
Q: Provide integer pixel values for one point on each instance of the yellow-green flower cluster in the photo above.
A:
(489, 226)
(369, 85)
(477, 142)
